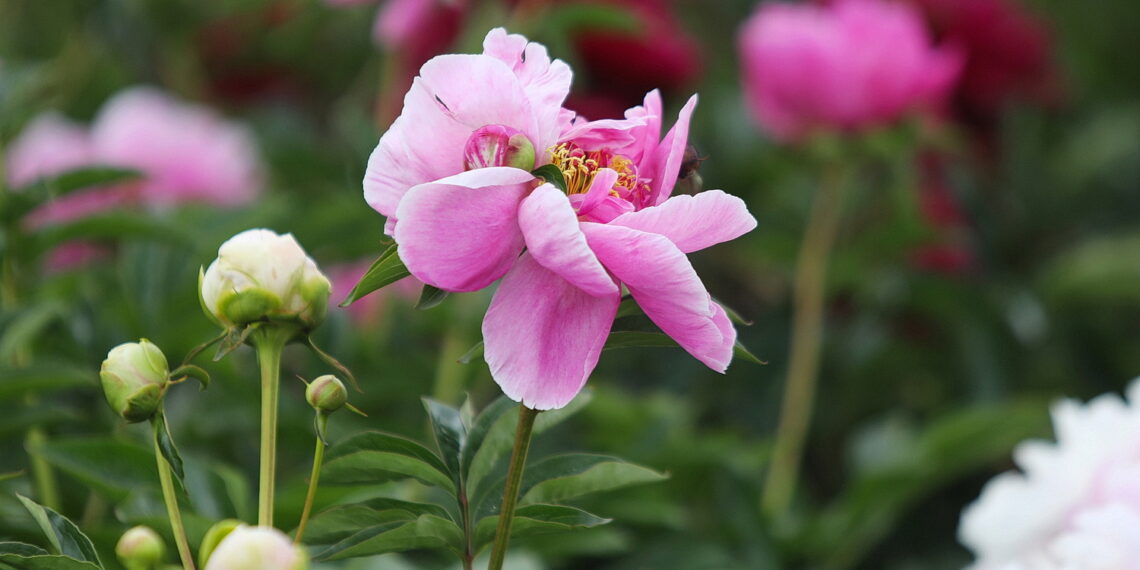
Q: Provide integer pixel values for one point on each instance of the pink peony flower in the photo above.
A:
(852, 65)
(50, 144)
(1075, 503)
(615, 226)
(186, 152)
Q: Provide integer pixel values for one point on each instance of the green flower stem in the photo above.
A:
(172, 510)
(511, 491)
(47, 488)
(807, 333)
(269, 341)
(314, 479)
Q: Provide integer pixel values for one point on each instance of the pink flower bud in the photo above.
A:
(498, 145)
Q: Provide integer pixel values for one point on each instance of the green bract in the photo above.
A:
(261, 276)
(134, 378)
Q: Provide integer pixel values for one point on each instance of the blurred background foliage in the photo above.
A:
(946, 334)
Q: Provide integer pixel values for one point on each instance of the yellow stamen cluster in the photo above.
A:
(579, 167)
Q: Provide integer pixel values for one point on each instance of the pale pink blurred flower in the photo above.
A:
(49, 144)
(343, 3)
(186, 152)
(257, 548)
(369, 309)
(1075, 504)
(851, 65)
(464, 224)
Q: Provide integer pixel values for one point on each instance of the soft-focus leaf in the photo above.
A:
(22, 200)
(373, 456)
(426, 531)
(531, 520)
(450, 435)
(341, 521)
(44, 562)
(27, 326)
(473, 353)
(113, 226)
(387, 269)
(43, 377)
(113, 467)
(64, 536)
(166, 446)
(644, 339)
(430, 297)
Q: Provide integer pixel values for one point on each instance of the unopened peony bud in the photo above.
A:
(140, 548)
(134, 378)
(262, 276)
(326, 394)
(498, 145)
(257, 548)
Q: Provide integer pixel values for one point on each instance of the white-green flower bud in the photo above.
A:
(134, 378)
(326, 394)
(140, 548)
(257, 548)
(262, 276)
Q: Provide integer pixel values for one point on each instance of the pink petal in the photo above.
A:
(550, 227)
(546, 82)
(666, 287)
(543, 335)
(454, 95)
(693, 222)
(599, 189)
(668, 156)
(461, 233)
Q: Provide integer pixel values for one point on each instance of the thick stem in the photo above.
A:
(511, 491)
(269, 342)
(807, 333)
(172, 510)
(311, 495)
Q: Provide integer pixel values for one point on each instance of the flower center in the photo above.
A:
(580, 166)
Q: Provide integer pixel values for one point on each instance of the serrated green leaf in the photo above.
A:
(43, 378)
(551, 174)
(450, 435)
(426, 531)
(531, 520)
(430, 297)
(374, 456)
(166, 446)
(44, 562)
(567, 476)
(64, 536)
(342, 521)
(112, 467)
(497, 443)
(387, 269)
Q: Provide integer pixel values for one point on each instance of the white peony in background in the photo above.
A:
(1075, 505)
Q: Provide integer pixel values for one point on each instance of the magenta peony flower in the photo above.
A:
(852, 65)
(1075, 503)
(454, 170)
(186, 152)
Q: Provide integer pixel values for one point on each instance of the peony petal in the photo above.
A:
(545, 82)
(670, 153)
(598, 191)
(454, 95)
(666, 287)
(461, 233)
(694, 222)
(543, 335)
(550, 227)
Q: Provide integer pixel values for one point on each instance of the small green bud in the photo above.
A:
(140, 548)
(134, 378)
(326, 394)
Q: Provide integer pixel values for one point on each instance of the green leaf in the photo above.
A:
(64, 536)
(473, 353)
(426, 531)
(646, 339)
(112, 226)
(387, 269)
(531, 520)
(479, 430)
(496, 445)
(447, 427)
(567, 476)
(336, 365)
(430, 297)
(234, 338)
(552, 175)
(27, 326)
(192, 371)
(112, 467)
(166, 445)
(342, 521)
(44, 562)
(43, 377)
(21, 549)
(374, 456)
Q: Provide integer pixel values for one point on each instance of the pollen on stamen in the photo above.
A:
(579, 167)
